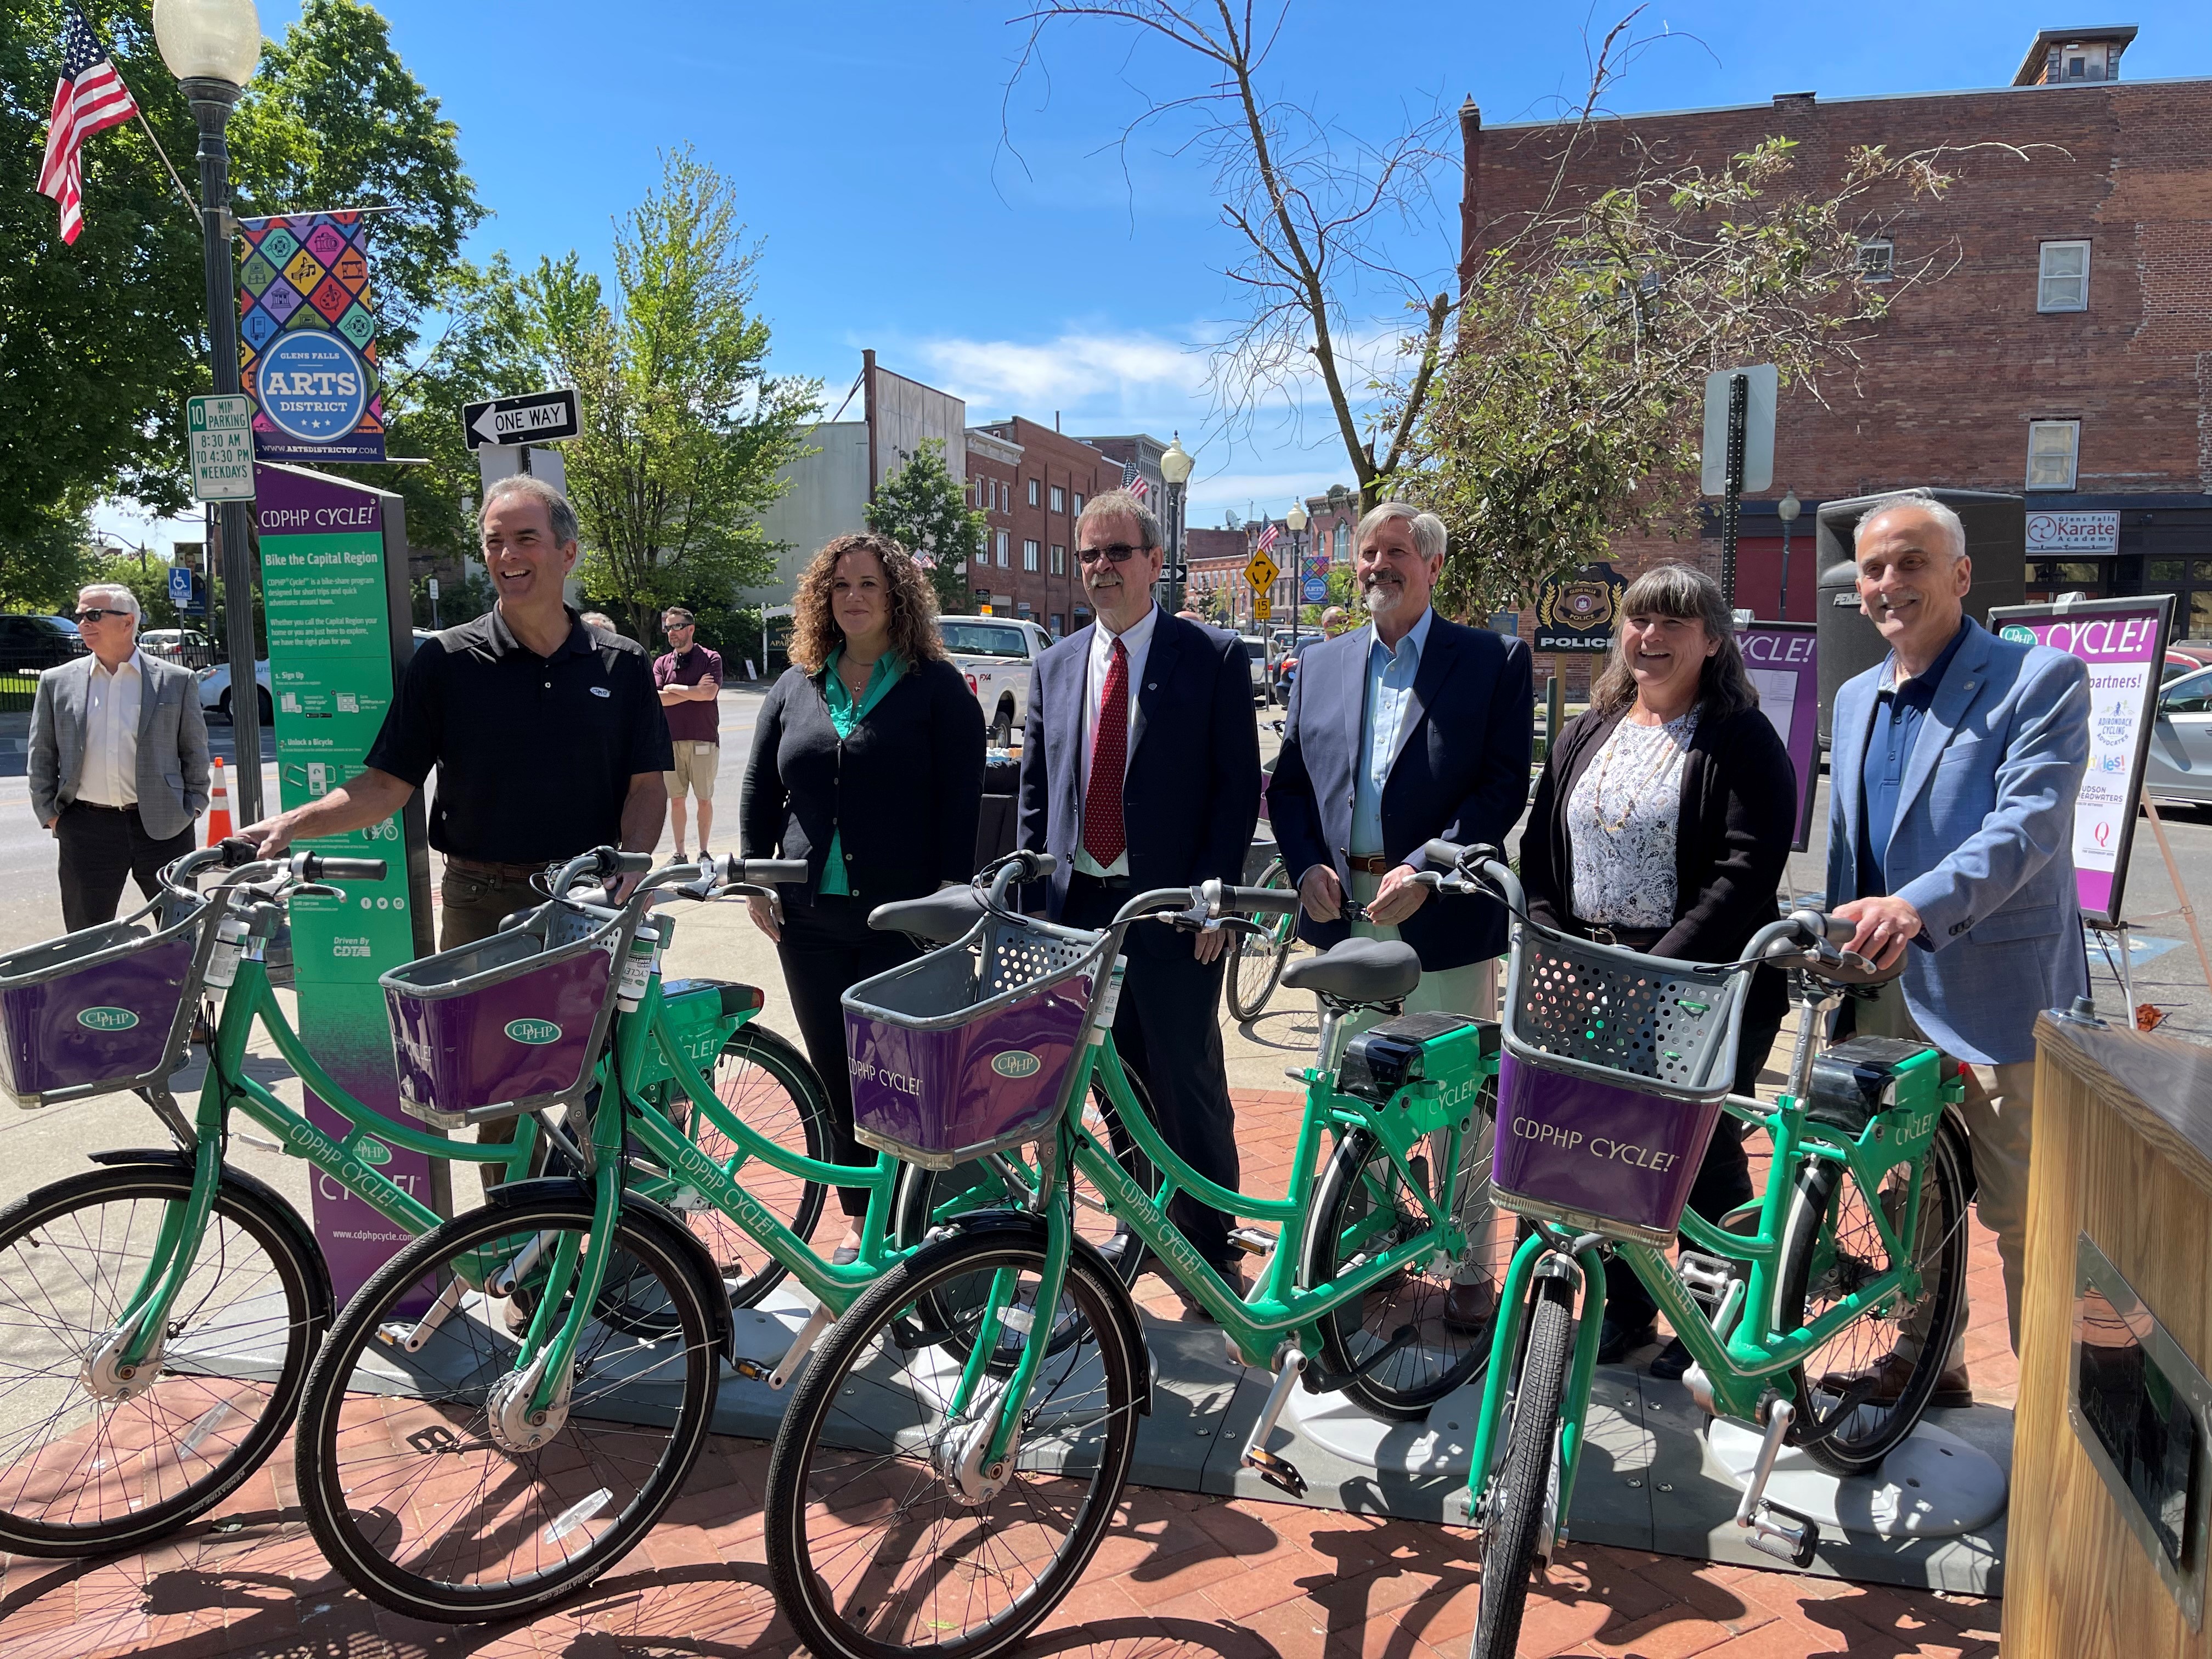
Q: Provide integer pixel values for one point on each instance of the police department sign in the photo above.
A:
(312, 386)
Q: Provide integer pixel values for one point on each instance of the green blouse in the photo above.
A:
(845, 716)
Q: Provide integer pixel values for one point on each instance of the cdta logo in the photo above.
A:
(312, 386)
(535, 1032)
(1017, 1062)
(107, 1020)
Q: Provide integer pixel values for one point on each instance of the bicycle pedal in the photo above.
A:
(1784, 1534)
(1253, 1241)
(753, 1371)
(1706, 1277)
(1278, 1472)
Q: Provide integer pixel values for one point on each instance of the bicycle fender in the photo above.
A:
(1125, 1305)
(277, 1204)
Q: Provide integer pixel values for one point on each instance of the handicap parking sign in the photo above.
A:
(180, 586)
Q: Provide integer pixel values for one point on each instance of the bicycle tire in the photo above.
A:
(1813, 1257)
(362, 1497)
(225, 1301)
(827, 1460)
(1255, 966)
(1403, 1387)
(1512, 1526)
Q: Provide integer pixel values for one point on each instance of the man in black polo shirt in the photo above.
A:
(548, 738)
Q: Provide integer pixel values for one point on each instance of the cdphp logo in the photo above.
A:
(1016, 1063)
(535, 1032)
(107, 1020)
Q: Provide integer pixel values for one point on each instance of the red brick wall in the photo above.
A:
(1055, 461)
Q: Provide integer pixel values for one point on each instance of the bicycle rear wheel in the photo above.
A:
(1522, 1506)
(1831, 1246)
(435, 1499)
(1257, 967)
(91, 1462)
(882, 1538)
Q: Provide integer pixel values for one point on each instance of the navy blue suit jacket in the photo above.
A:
(1191, 794)
(1461, 774)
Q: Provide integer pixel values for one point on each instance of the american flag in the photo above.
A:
(1134, 481)
(90, 98)
(1267, 538)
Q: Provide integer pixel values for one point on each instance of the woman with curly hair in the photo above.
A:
(867, 762)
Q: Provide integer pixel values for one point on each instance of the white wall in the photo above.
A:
(828, 496)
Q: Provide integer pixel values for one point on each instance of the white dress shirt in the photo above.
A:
(110, 777)
(1137, 640)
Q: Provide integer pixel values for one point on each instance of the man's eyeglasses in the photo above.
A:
(1119, 553)
(96, 613)
(676, 627)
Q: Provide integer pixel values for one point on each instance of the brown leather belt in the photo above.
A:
(1372, 865)
(495, 872)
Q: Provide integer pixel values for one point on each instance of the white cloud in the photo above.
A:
(1075, 371)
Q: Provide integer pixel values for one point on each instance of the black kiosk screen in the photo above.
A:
(2142, 1420)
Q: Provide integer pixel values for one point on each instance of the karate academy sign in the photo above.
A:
(306, 339)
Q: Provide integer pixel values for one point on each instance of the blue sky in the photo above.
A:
(865, 140)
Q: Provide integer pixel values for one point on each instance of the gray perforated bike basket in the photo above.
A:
(970, 1049)
(1615, 1067)
(510, 1024)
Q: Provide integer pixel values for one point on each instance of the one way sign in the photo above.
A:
(534, 417)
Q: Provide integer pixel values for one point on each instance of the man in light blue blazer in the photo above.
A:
(1955, 766)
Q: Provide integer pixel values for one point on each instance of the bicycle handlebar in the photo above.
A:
(760, 873)
(317, 867)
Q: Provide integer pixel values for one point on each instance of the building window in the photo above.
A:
(1058, 499)
(2053, 447)
(1058, 623)
(1002, 549)
(1343, 542)
(1059, 559)
(1079, 504)
(2061, 282)
(1023, 608)
(1878, 260)
(1033, 492)
(1029, 556)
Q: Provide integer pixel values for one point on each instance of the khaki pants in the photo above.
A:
(1999, 1113)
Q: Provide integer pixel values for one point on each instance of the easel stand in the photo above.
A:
(2117, 931)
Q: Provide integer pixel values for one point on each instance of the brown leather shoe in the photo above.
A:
(1890, 1372)
(1471, 1308)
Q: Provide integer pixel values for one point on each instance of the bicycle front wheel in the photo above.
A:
(1257, 967)
(91, 1461)
(434, 1494)
(1522, 1506)
(886, 1533)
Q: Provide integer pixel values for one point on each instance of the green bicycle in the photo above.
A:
(158, 1313)
(955, 1450)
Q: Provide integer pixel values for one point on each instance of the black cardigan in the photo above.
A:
(903, 791)
(1731, 842)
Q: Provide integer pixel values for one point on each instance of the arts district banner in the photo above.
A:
(333, 576)
(306, 339)
(2123, 643)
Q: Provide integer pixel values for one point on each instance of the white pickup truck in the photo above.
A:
(995, 654)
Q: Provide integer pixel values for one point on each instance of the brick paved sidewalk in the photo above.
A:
(1180, 1574)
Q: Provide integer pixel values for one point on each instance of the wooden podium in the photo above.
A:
(2108, 1535)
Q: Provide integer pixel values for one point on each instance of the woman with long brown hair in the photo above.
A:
(1663, 823)
(867, 762)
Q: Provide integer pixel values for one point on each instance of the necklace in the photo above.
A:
(1666, 753)
(845, 666)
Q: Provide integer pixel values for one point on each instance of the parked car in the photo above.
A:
(995, 655)
(215, 689)
(1255, 647)
(2184, 658)
(185, 646)
(2178, 766)
(29, 644)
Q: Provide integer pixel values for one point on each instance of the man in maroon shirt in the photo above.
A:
(691, 679)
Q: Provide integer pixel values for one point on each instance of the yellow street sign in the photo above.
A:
(1261, 572)
(1263, 606)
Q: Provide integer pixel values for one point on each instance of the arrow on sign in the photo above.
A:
(534, 417)
(1261, 571)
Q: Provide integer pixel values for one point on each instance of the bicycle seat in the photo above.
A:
(1358, 970)
(940, 918)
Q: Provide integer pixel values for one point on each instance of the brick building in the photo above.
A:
(2067, 352)
(1031, 482)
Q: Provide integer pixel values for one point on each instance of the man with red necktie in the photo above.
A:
(1140, 769)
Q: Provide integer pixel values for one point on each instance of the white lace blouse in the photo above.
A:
(1621, 818)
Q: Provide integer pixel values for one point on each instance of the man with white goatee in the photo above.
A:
(1411, 729)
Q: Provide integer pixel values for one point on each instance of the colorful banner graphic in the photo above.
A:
(2123, 643)
(1783, 661)
(306, 339)
(327, 577)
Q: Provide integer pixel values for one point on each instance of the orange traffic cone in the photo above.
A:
(218, 817)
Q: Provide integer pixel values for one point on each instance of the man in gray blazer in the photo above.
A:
(1955, 766)
(118, 760)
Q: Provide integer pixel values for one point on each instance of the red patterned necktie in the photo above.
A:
(1102, 835)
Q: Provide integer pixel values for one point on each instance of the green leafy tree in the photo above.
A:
(924, 511)
(684, 428)
(103, 340)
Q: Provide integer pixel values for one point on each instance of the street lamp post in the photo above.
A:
(1296, 520)
(1787, 510)
(211, 46)
(1174, 469)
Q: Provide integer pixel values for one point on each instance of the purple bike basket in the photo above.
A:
(1599, 1150)
(503, 1025)
(105, 1022)
(966, 1050)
